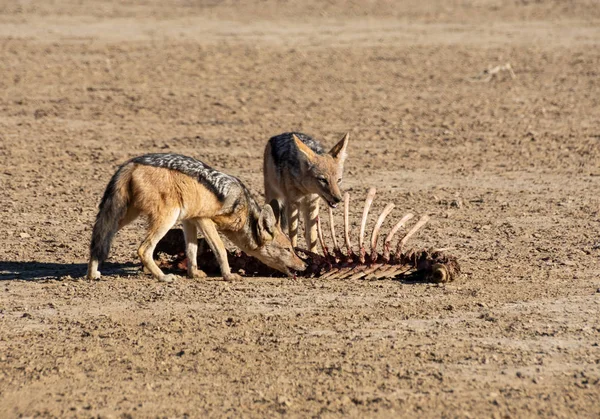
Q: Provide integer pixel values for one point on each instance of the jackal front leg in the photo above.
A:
(310, 209)
(292, 219)
(209, 230)
(190, 233)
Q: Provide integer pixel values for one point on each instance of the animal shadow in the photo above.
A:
(44, 271)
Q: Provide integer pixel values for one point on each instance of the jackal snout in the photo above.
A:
(332, 195)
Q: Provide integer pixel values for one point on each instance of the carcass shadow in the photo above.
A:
(44, 271)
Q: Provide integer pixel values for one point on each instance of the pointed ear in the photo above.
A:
(338, 151)
(274, 204)
(303, 148)
(267, 224)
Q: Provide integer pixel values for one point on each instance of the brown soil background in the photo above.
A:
(509, 169)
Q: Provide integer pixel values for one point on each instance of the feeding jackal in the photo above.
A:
(297, 172)
(168, 188)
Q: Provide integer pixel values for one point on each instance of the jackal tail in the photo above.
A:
(113, 209)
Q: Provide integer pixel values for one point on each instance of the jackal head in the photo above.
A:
(322, 173)
(274, 247)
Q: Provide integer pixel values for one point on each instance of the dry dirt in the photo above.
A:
(509, 170)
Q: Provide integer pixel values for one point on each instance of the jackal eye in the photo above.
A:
(339, 180)
(323, 180)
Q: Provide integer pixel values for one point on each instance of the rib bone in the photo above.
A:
(363, 223)
(336, 248)
(320, 235)
(347, 225)
(386, 211)
(388, 240)
(424, 219)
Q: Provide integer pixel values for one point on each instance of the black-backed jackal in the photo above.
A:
(297, 172)
(168, 188)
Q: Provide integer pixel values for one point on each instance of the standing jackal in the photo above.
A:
(297, 172)
(168, 188)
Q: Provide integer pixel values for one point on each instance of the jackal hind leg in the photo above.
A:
(190, 233)
(158, 227)
(131, 215)
(209, 230)
(310, 210)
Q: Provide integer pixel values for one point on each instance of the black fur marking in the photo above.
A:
(217, 182)
(254, 211)
(285, 152)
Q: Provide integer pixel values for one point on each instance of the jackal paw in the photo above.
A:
(94, 276)
(196, 273)
(232, 277)
(167, 278)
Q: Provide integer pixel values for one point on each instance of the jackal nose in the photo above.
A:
(337, 200)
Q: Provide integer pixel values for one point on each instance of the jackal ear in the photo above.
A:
(267, 224)
(338, 151)
(274, 204)
(304, 149)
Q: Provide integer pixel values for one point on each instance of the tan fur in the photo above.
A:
(300, 193)
(166, 196)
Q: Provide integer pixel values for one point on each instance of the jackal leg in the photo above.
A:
(130, 216)
(190, 233)
(159, 225)
(209, 230)
(310, 209)
(93, 272)
(292, 219)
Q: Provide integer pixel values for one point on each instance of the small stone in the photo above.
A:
(24, 235)
(456, 203)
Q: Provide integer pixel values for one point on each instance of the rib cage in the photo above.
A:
(422, 265)
(430, 265)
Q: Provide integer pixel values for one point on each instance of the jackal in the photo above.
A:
(297, 172)
(168, 188)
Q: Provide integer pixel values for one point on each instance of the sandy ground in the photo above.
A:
(509, 170)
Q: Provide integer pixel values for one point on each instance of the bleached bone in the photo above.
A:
(363, 223)
(332, 227)
(386, 270)
(394, 270)
(388, 240)
(347, 225)
(336, 248)
(386, 211)
(424, 219)
(320, 235)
